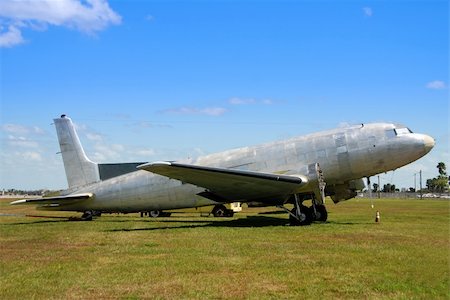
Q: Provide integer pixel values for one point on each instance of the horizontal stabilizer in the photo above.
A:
(108, 171)
(59, 200)
(230, 184)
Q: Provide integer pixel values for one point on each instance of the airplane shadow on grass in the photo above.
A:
(252, 221)
(36, 222)
(249, 222)
(178, 223)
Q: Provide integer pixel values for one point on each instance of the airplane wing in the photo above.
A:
(55, 201)
(224, 185)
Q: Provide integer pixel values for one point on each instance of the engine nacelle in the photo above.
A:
(342, 192)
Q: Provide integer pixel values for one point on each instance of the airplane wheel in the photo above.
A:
(305, 217)
(321, 213)
(219, 211)
(87, 216)
(154, 213)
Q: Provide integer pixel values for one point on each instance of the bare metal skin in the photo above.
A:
(275, 173)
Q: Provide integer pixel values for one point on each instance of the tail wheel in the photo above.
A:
(219, 211)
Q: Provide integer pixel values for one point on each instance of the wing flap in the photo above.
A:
(230, 184)
(59, 200)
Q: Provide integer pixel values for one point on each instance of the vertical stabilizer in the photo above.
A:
(79, 169)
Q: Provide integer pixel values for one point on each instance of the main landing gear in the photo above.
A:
(155, 213)
(89, 214)
(302, 215)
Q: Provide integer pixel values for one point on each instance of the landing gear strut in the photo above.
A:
(319, 212)
(300, 215)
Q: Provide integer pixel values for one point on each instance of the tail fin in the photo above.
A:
(79, 169)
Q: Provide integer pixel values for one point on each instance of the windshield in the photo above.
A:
(402, 130)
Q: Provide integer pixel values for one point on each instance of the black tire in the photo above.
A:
(306, 217)
(87, 216)
(321, 213)
(219, 211)
(154, 213)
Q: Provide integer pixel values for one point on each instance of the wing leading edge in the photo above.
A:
(225, 185)
(55, 201)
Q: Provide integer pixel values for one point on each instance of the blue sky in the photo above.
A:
(164, 80)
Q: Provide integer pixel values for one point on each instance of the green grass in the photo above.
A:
(250, 256)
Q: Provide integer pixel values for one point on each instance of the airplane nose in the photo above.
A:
(428, 142)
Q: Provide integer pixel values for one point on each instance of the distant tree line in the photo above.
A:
(40, 192)
(387, 188)
(440, 183)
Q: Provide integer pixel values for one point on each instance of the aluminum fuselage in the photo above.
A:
(344, 155)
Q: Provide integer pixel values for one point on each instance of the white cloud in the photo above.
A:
(85, 132)
(11, 37)
(145, 152)
(21, 129)
(94, 137)
(240, 101)
(87, 16)
(15, 129)
(108, 152)
(267, 102)
(367, 11)
(249, 101)
(31, 156)
(146, 124)
(436, 85)
(22, 136)
(209, 111)
(20, 141)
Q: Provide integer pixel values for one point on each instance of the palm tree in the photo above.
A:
(442, 169)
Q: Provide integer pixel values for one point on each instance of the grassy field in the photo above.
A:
(254, 255)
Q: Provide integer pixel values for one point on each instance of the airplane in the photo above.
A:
(328, 163)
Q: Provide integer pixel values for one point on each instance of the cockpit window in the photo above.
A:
(390, 133)
(404, 130)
